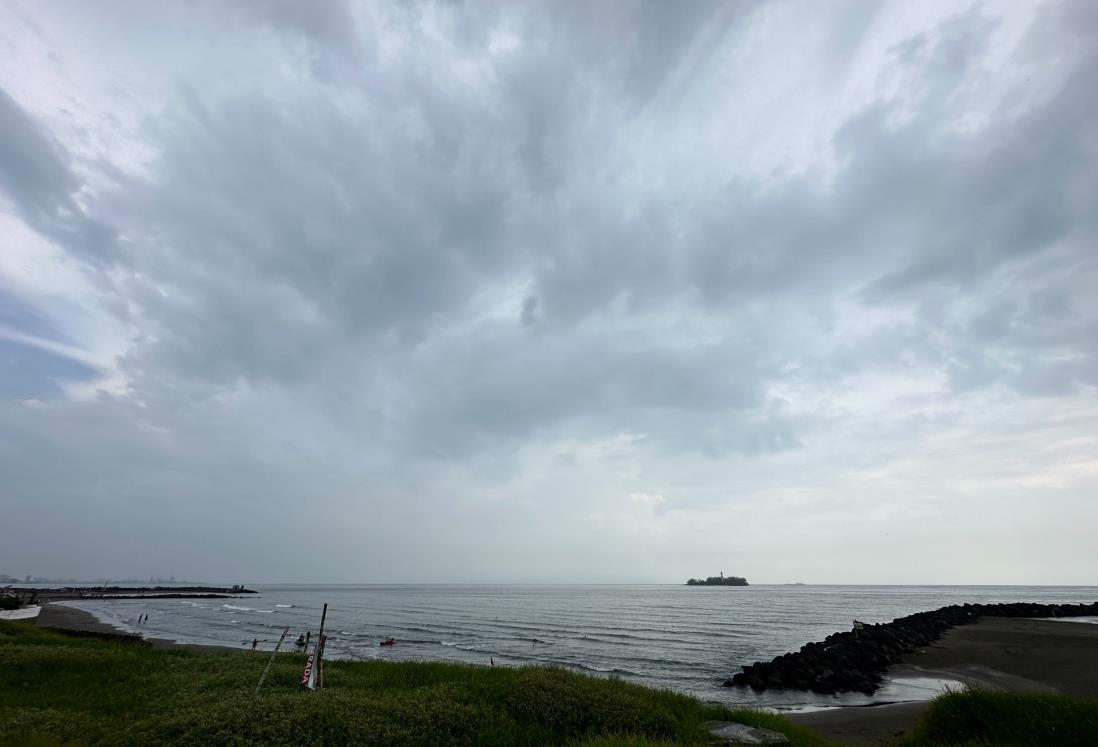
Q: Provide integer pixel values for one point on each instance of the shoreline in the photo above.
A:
(61, 617)
(994, 653)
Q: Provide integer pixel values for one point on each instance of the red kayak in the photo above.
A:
(387, 642)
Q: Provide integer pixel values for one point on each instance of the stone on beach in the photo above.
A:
(730, 732)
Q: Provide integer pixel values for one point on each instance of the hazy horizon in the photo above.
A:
(318, 584)
(506, 292)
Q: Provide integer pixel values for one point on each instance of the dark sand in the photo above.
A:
(60, 617)
(996, 653)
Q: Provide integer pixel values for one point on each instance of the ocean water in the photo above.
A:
(688, 639)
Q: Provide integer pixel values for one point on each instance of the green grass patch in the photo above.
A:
(1006, 719)
(58, 689)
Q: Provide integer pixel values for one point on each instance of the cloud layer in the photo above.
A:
(537, 292)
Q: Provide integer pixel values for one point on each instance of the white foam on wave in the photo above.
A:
(283, 605)
(1089, 619)
(234, 607)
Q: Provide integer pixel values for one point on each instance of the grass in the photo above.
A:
(1006, 719)
(56, 689)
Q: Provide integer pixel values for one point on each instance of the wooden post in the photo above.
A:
(271, 661)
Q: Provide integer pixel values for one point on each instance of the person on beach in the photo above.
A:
(308, 635)
(255, 642)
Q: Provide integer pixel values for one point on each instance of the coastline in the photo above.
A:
(994, 653)
(57, 616)
(1006, 654)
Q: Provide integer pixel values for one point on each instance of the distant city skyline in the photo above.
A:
(540, 292)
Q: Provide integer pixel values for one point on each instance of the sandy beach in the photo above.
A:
(71, 619)
(994, 653)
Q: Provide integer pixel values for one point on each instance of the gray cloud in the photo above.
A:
(33, 168)
(505, 266)
(36, 177)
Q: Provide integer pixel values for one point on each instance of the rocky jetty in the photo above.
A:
(857, 660)
(35, 595)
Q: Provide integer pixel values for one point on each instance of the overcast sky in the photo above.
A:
(557, 291)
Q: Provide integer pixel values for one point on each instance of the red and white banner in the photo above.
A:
(308, 677)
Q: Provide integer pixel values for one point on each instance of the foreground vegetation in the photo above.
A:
(59, 689)
(1007, 719)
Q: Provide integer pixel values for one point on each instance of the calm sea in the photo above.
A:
(688, 639)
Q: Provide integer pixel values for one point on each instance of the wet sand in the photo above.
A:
(995, 653)
(71, 619)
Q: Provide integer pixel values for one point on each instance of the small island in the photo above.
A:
(721, 580)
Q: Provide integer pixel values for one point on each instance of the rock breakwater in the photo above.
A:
(856, 660)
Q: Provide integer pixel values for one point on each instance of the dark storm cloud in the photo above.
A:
(504, 386)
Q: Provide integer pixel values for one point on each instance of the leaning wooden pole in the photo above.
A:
(271, 661)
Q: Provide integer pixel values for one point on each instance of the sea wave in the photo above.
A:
(594, 668)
